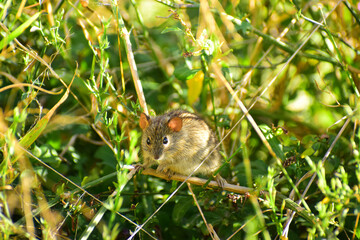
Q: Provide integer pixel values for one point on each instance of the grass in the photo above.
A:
(277, 80)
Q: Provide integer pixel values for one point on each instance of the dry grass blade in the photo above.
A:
(26, 179)
(240, 228)
(221, 77)
(21, 85)
(356, 225)
(81, 188)
(133, 68)
(35, 132)
(211, 230)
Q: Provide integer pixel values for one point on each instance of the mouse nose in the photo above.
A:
(157, 154)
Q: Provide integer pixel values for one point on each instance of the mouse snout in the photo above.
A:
(158, 154)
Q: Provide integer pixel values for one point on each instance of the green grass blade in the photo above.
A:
(35, 132)
(18, 31)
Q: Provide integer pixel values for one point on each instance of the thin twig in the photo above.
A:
(280, 44)
(130, 55)
(198, 181)
(208, 226)
(228, 187)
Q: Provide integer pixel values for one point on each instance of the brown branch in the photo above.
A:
(198, 181)
(290, 204)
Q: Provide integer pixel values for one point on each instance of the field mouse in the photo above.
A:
(177, 142)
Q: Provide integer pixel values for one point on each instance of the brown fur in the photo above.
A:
(177, 142)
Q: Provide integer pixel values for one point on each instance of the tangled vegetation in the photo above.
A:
(277, 80)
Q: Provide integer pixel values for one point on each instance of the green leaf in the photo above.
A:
(273, 141)
(47, 154)
(106, 155)
(184, 73)
(307, 152)
(181, 208)
(171, 29)
(244, 27)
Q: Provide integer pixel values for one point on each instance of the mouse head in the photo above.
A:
(174, 123)
(160, 135)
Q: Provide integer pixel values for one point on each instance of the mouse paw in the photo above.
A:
(220, 181)
(135, 169)
(165, 170)
(169, 173)
(139, 166)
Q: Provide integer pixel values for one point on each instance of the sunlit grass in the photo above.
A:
(74, 77)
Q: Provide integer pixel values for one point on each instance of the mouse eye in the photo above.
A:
(148, 141)
(165, 141)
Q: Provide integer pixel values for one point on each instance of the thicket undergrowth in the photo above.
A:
(277, 80)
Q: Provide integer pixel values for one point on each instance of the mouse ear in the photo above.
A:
(144, 121)
(175, 124)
